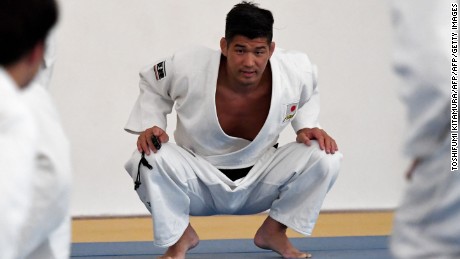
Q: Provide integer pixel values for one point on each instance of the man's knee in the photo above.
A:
(172, 162)
(154, 160)
(327, 164)
(330, 163)
(166, 153)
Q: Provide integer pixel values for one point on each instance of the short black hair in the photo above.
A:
(248, 20)
(23, 24)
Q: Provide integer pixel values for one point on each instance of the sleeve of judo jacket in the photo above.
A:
(421, 59)
(308, 113)
(154, 101)
(17, 152)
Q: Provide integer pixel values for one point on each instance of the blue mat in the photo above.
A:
(364, 247)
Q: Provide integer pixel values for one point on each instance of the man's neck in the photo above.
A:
(243, 89)
(19, 72)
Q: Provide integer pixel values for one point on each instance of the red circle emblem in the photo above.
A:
(293, 108)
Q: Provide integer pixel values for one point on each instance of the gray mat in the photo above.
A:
(365, 247)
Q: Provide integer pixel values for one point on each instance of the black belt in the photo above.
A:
(235, 174)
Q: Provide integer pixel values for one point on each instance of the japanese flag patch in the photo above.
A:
(160, 70)
(291, 110)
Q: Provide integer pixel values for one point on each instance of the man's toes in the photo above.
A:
(298, 255)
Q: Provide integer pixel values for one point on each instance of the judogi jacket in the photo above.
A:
(188, 79)
(17, 154)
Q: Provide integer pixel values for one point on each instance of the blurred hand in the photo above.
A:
(410, 171)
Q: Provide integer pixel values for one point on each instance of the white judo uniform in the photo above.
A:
(291, 181)
(47, 232)
(18, 139)
(427, 221)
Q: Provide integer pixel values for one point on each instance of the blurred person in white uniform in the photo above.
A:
(427, 222)
(24, 25)
(231, 105)
(47, 232)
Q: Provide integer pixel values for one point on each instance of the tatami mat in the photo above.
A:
(362, 247)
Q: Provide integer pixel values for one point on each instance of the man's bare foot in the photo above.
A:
(272, 236)
(187, 241)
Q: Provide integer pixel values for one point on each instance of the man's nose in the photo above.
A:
(249, 60)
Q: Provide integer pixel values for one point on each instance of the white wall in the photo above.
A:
(103, 44)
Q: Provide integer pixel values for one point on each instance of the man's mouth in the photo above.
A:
(248, 73)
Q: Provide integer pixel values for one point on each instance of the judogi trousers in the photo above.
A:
(427, 223)
(291, 181)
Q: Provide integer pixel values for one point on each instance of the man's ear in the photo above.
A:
(33, 60)
(272, 48)
(223, 46)
(35, 56)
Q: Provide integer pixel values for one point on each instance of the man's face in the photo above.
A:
(246, 58)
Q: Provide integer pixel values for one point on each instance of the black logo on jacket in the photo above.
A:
(160, 70)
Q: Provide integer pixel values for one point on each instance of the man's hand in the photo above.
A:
(410, 171)
(325, 141)
(144, 141)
